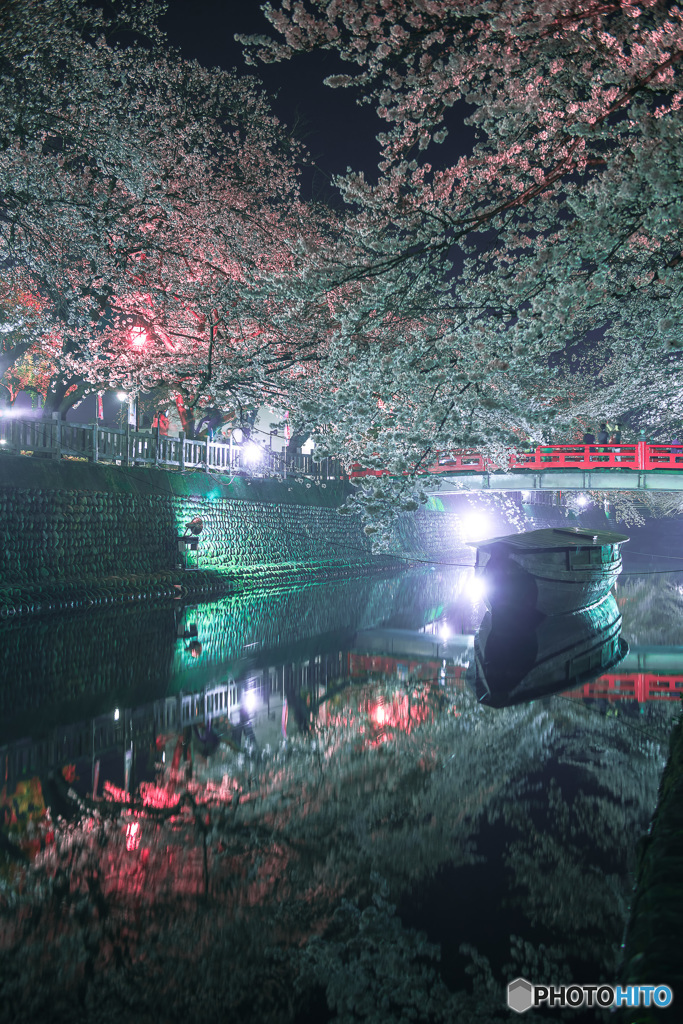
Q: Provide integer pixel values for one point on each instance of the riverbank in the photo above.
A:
(76, 534)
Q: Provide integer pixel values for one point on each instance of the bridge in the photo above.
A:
(562, 467)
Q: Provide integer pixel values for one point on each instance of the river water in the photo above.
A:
(303, 812)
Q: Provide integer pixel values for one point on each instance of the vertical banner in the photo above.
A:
(127, 767)
(132, 411)
(100, 410)
(95, 779)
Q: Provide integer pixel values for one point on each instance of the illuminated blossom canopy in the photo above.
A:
(524, 272)
(151, 207)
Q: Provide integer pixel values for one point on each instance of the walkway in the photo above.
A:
(93, 442)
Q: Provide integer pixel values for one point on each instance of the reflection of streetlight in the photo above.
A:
(250, 701)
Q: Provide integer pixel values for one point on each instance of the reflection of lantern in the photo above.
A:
(132, 835)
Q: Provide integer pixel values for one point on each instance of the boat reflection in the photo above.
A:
(518, 660)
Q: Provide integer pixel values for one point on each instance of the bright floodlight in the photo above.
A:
(582, 499)
(116, 714)
(252, 452)
(237, 435)
(474, 526)
(477, 589)
(122, 396)
(444, 631)
(250, 701)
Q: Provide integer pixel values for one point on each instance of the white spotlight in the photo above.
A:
(475, 526)
(252, 453)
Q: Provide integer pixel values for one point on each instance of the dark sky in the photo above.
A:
(337, 132)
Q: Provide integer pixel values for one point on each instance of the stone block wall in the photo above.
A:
(57, 534)
(433, 535)
(83, 523)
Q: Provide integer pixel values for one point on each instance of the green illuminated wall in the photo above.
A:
(80, 521)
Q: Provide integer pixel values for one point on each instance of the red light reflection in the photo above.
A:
(132, 835)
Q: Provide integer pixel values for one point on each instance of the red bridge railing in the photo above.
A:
(639, 456)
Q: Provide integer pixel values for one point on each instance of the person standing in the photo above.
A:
(161, 421)
(615, 438)
(603, 437)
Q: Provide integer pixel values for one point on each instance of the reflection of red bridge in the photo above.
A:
(407, 667)
(640, 686)
(638, 456)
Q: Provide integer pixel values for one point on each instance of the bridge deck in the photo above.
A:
(558, 480)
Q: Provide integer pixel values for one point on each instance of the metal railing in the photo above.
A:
(95, 443)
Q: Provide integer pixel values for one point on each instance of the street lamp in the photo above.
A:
(123, 411)
(236, 437)
(138, 337)
(252, 453)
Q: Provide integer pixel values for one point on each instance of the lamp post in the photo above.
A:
(236, 437)
(124, 399)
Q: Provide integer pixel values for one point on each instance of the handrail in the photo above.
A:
(93, 442)
(640, 455)
(96, 443)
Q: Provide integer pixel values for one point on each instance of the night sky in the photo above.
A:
(337, 132)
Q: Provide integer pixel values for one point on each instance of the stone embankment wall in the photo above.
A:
(433, 536)
(73, 534)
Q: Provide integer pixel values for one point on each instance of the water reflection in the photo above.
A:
(519, 660)
(306, 789)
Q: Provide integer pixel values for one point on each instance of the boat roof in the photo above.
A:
(555, 537)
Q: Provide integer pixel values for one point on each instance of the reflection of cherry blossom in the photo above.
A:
(291, 856)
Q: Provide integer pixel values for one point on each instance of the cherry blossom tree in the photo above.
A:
(547, 239)
(151, 207)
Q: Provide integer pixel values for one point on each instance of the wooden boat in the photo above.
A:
(514, 665)
(549, 571)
